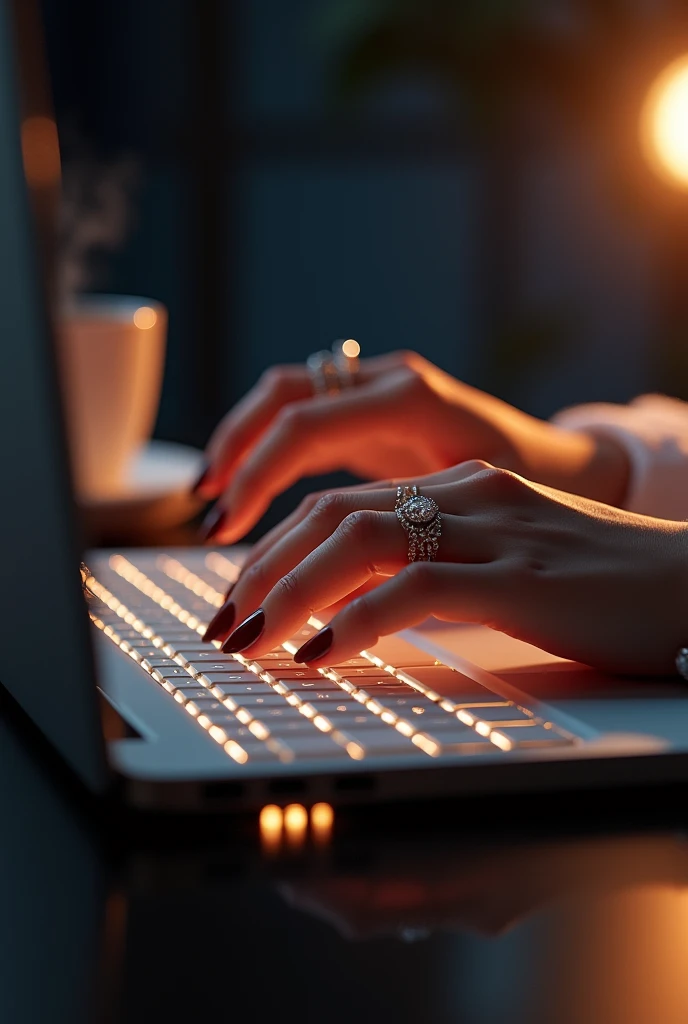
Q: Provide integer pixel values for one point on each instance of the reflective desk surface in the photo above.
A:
(452, 913)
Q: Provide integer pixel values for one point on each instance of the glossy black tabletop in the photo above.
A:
(439, 914)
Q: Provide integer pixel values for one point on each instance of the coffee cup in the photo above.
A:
(111, 353)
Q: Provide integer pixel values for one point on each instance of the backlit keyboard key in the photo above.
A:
(319, 683)
(205, 705)
(494, 713)
(183, 694)
(162, 674)
(258, 700)
(318, 744)
(255, 687)
(298, 726)
(213, 678)
(383, 740)
(419, 707)
(526, 736)
(392, 650)
(342, 666)
(371, 672)
(448, 683)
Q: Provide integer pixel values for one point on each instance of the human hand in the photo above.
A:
(582, 580)
(405, 417)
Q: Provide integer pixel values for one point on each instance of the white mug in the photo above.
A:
(111, 352)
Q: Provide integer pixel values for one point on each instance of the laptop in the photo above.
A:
(103, 649)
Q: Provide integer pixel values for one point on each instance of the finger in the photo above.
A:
(365, 544)
(297, 516)
(305, 438)
(277, 387)
(375, 581)
(260, 549)
(325, 516)
(241, 428)
(460, 593)
(455, 474)
(472, 544)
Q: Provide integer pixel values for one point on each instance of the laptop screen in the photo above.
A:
(45, 656)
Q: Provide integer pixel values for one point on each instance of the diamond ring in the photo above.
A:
(420, 517)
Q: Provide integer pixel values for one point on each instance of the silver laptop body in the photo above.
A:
(103, 650)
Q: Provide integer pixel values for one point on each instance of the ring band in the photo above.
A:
(420, 517)
(333, 371)
(323, 373)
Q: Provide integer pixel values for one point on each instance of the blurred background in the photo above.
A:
(466, 178)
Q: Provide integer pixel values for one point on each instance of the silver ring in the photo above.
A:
(323, 373)
(332, 371)
(421, 519)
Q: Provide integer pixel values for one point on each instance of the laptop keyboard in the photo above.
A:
(393, 701)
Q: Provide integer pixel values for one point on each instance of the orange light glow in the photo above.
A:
(270, 824)
(40, 151)
(295, 824)
(322, 820)
(145, 318)
(665, 124)
(236, 752)
(351, 348)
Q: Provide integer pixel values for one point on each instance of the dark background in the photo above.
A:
(325, 168)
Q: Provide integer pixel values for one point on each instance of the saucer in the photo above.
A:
(155, 494)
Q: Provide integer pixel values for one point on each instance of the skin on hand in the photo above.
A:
(404, 418)
(575, 577)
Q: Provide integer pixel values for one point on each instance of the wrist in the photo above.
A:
(594, 467)
(606, 476)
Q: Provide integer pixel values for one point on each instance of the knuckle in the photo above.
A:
(273, 378)
(359, 526)
(360, 611)
(307, 504)
(413, 385)
(475, 466)
(292, 418)
(407, 357)
(287, 420)
(253, 575)
(497, 481)
(420, 576)
(329, 506)
(288, 585)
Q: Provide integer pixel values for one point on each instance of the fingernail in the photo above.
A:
(221, 624)
(201, 479)
(245, 634)
(230, 588)
(213, 523)
(316, 646)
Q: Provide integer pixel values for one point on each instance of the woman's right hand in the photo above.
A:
(404, 418)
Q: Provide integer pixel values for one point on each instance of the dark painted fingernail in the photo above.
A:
(201, 479)
(230, 588)
(245, 634)
(221, 624)
(213, 523)
(316, 646)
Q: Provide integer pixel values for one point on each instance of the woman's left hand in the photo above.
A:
(582, 580)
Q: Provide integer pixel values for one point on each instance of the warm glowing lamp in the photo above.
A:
(665, 123)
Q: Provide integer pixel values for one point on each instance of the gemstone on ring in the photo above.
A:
(420, 509)
(420, 517)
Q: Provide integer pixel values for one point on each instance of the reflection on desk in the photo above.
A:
(432, 929)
